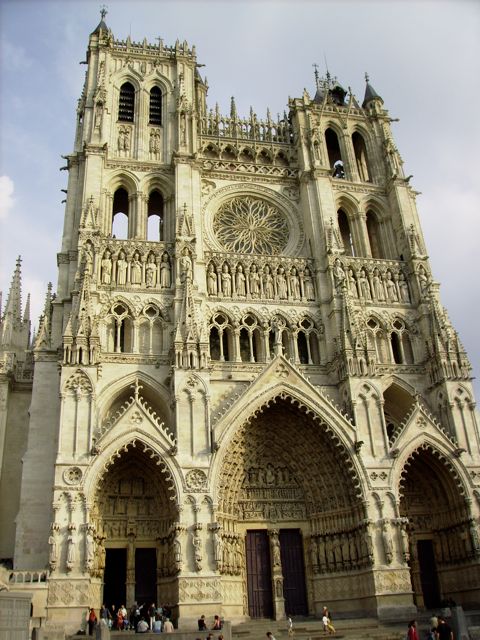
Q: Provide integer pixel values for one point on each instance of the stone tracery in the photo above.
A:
(250, 225)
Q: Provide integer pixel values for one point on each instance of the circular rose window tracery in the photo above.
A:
(251, 225)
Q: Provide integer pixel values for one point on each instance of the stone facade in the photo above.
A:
(247, 398)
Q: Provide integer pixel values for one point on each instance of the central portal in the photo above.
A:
(259, 573)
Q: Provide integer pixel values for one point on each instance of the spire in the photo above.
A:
(233, 108)
(26, 313)
(14, 304)
(370, 93)
(15, 328)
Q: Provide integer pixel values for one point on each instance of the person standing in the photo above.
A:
(412, 633)
(92, 621)
(444, 631)
(202, 625)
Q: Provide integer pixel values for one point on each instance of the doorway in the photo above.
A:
(428, 574)
(293, 569)
(259, 579)
(115, 576)
(146, 576)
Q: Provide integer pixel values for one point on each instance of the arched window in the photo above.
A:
(360, 151)
(396, 348)
(373, 231)
(119, 330)
(126, 103)
(120, 214)
(334, 154)
(155, 106)
(155, 217)
(220, 339)
(344, 227)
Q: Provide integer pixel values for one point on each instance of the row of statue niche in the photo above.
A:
(228, 553)
(142, 271)
(93, 552)
(372, 284)
(260, 282)
(342, 551)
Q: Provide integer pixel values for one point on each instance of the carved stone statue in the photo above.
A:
(89, 548)
(392, 294)
(106, 268)
(352, 283)
(240, 282)
(268, 288)
(165, 272)
(294, 284)
(136, 269)
(121, 269)
(151, 272)
(53, 543)
(308, 285)
(364, 286)
(197, 550)
(254, 282)
(212, 286)
(377, 285)
(281, 282)
(226, 282)
(71, 547)
(186, 269)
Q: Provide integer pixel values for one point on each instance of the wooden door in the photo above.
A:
(259, 577)
(293, 569)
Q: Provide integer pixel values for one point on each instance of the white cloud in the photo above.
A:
(6, 195)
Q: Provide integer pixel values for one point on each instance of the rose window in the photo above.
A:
(249, 225)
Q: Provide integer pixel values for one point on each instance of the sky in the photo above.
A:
(423, 58)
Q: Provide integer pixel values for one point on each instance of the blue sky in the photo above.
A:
(423, 59)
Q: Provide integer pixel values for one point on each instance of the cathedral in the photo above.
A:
(244, 397)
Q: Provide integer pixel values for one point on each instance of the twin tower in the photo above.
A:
(245, 397)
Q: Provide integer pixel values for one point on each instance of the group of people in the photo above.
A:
(140, 618)
(439, 629)
(217, 624)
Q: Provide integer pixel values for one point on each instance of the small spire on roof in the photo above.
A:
(367, 77)
(103, 11)
(317, 77)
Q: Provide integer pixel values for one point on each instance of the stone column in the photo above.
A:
(130, 582)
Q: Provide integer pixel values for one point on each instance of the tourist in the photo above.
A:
(217, 623)
(412, 633)
(167, 626)
(444, 631)
(106, 616)
(152, 609)
(327, 624)
(270, 635)
(202, 625)
(290, 625)
(92, 621)
(142, 626)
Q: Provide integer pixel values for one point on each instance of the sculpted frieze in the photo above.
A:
(199, 590)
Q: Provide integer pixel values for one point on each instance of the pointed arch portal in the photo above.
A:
(442, 534)
(133, 515)
(288, 490)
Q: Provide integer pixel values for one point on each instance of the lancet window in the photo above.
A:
(120, 214)
(251, 341)
(360, 152)
(378, 340)
(155, 116)
(401, 346)
(221, 338)
(334, 154)
(119, 330)
(155, 217)
(307, 343)
(374, 236)
(126, 103)
(345, 232)
(150, 331)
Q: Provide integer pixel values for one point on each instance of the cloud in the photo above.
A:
(6, 195)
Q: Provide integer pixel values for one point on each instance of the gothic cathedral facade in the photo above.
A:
(245, 397)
